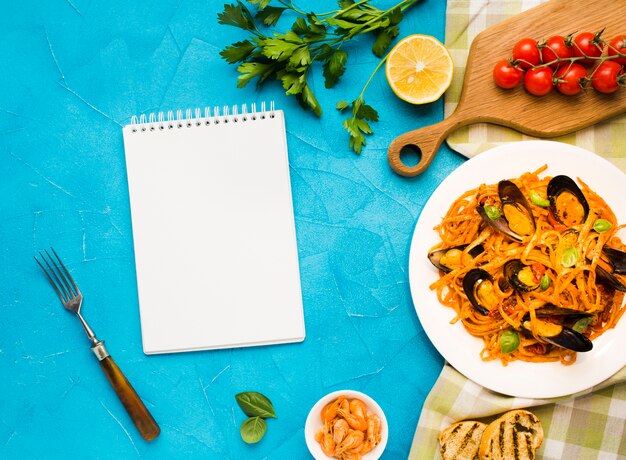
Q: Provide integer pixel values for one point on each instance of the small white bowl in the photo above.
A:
(314, 423)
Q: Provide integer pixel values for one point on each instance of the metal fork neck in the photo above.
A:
(90, 334)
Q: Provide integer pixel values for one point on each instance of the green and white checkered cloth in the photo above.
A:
(587, 425)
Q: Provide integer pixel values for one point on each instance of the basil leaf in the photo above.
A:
(569, 257)
(492, 212)
(255, 404)
(536, 199)
(509, 341)
(581, 324)
(252, 430)
(602, 225)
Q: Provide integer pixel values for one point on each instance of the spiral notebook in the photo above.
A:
(213, 229)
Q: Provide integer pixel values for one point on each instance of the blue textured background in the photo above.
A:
(73, 72)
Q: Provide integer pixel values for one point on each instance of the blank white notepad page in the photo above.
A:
(214, 235)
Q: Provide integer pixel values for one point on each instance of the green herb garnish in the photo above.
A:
(289, 56)
(538, 200)
(509, 341)
(602, 225)
(253, 429)
(569, 257)
(581, 325)
(255, 404)
(544, 283)
(492, 212)
(257, 407)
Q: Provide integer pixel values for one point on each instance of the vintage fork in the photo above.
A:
(72, 299)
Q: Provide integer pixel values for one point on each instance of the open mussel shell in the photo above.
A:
(609, 279)
(516, 220)
(448, 259)
(568, 205)
(478, 287)
(520, 276)
(561, 336)
(552, 311)
(616, 259)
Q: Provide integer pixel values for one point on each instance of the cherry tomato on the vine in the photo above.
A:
(571, 79)
(527, 53)
(617, 46)
(605, 77)
(507, 76)
(555, 48)
(538, 80)
(587, 44)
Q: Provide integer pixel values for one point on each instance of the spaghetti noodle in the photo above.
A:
(540, 284)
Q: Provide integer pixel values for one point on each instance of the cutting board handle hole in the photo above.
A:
(410, 155)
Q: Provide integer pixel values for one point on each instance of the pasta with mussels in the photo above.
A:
(533, 266)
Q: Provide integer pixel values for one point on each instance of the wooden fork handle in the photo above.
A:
(139, 413)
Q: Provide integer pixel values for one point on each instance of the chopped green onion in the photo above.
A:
(544, 283)
(536, 199)
(581, 324)
(569, 257)
(602, 225)
(509, 341)
(492, 212)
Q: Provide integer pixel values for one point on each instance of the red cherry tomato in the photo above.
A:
(587, 44)
(527, 53)
(618, 46)
(507, 76)
(538, 81)
(605, 77)
(555, 48)
(571, 79)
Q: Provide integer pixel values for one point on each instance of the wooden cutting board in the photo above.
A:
(548, 116)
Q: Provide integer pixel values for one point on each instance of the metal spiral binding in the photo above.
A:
(200, 117)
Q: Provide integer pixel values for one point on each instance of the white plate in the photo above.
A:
(456, 345)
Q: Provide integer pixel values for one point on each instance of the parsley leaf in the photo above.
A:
(238, 51)
(260, 3)
(307, 99)
(334, 67)
(236, 15)
(249, 70)
(270, 15)
(282, 46)
(358, 126)
(288, 56)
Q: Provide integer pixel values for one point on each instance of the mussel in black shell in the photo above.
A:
(560, 336)
(568, 205)
(616, 259)
(449, 259)
(563, 314)
(478, 285)
(516, 219)
(520, 276)
(611, 269)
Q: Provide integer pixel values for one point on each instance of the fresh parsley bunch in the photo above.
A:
(290, 56)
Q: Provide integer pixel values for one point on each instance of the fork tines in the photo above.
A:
(57, 274)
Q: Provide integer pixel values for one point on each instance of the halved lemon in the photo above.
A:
(419, 69)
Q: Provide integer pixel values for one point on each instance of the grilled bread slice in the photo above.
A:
(461, 440)
(516, 435)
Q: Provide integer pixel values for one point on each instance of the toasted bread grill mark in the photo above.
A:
(444, 446)
(515, 438)
(467, 438)
(500, 438)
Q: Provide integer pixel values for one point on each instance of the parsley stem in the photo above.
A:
(359, 30)
(369, 80)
